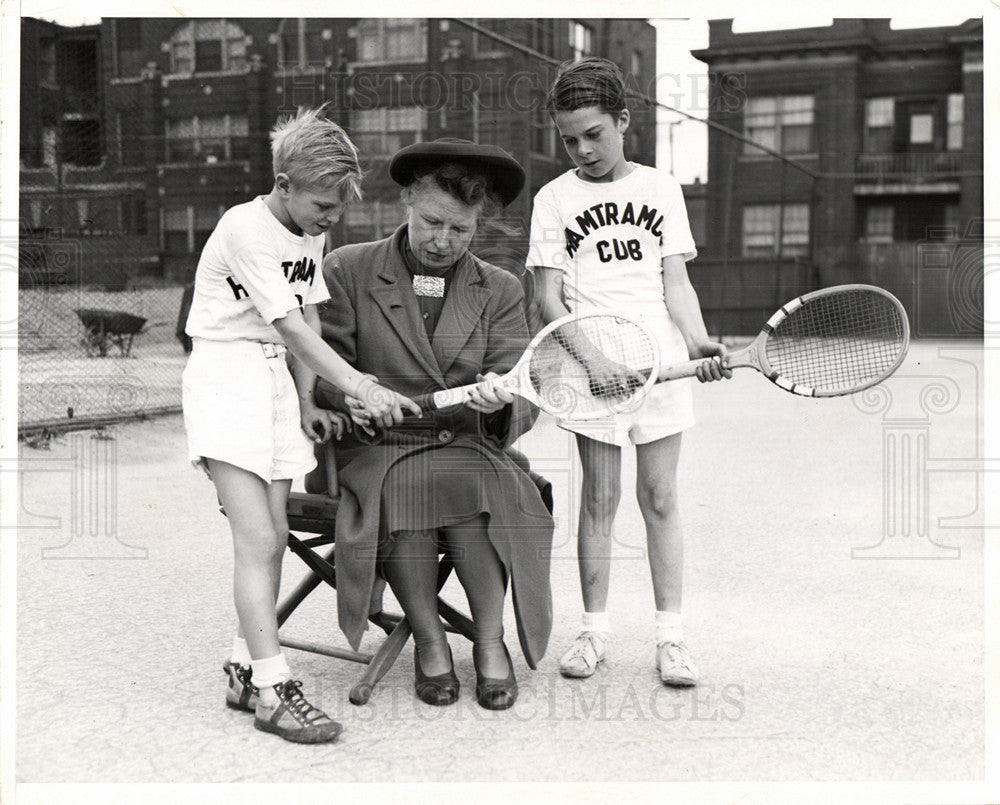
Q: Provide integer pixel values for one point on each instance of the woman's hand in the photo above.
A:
(712, 369)
(320, 424)
(488, 396)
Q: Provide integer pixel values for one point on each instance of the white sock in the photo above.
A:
(241, 652)
(596, 622)
(669, 627)
(270, 671)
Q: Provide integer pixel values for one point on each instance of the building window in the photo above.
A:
(128, 142)
(50, 146)
(783, 124)
(953, 221)
(956, 117)
(392, 40)
(208, 46)
(186, 229)
(485, 46)
(370, 220)
(128, 46)
(879, 221)
(300, 44)
(879, 122)
(218, 138)
(543, 131)
(80, 142)
(921, 128)
(544, 36)
(205, 219)
(579, 40)
(769, 232)
(111, 215)
(133, 215)
(175, 231)
(635, 64)
(384, 131)
(36, 213)
(47, 61)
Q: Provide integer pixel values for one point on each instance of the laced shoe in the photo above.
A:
(674, 663)
(584, 655)
(293, 718)
(241, 693)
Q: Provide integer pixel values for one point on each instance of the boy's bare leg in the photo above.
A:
(599, 498)
(277, 500)
(656, 491)
(258, 550)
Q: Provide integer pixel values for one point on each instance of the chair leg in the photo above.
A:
(381, 663)
(299, 594)
(459, 623)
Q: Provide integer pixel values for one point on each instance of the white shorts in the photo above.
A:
(668, 407)
(241, 407)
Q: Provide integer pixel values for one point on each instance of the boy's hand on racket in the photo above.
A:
(711, 369)
(385, 406)
(488, 396)
(360, 415)
(611, 379)
(320, 424)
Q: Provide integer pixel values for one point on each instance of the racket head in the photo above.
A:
(560, 382)
(834, 341)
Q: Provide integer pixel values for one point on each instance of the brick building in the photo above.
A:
(883, 133)
(137, 133)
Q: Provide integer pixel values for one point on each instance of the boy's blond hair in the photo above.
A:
(315, 152)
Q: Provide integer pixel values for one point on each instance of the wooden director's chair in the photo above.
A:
(316, 514)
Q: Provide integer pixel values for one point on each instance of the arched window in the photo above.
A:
(208, 46)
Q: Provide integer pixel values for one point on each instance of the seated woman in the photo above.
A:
(421, 313)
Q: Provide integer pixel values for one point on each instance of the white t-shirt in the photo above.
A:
(609, 238)
(251, 272)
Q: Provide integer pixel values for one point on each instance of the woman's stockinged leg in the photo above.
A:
(411, 566)
(257, 548)
(484, 580)
(656, 491)
(599, 498)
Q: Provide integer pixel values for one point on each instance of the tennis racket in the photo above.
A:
(827, 343)
(577, 367)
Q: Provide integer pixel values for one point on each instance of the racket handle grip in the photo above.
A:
(446, 397)
(686, 369)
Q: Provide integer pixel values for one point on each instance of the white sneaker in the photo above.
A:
(584, 655)
(674, 663)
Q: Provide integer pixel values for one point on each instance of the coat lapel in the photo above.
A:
(399, 306)
(461, 314)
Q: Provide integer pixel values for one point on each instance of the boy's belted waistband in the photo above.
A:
(273, 350)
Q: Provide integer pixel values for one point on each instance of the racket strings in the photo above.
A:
(838, 342)
(593, 366)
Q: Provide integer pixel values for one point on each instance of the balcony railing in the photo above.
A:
(915, 167)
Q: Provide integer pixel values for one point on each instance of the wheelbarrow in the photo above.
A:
(105, 327)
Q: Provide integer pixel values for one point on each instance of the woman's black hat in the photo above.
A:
(508, 175)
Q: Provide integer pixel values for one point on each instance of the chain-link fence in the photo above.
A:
(96, 332)
(89, 354)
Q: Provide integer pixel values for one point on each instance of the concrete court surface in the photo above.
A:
(834, 600)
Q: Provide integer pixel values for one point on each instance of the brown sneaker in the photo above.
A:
(241, 694)
(293, 718)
